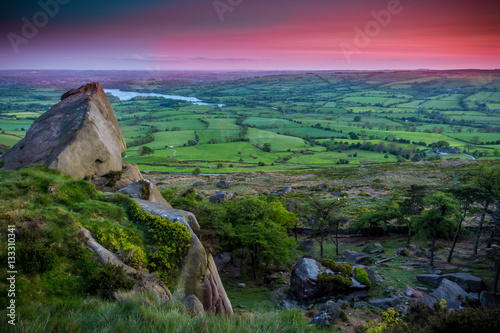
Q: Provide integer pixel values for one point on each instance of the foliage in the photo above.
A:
(109, 279)
(196, 171)
(345, 269)
(377, 216)
(388, 320)
(362, 276)
(123, 242)
(145, 150)
(258, 228)
(35, 254)
(172, 239)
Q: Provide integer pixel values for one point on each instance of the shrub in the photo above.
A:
(343, 316)
(196, 172)
(119, 240)
(109, 279)
(362, 276)
(35, 255)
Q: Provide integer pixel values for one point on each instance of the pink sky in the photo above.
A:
(292, 34)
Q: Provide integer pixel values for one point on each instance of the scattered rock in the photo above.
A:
(242, 285)
(144, 190)
(467, 281)
(199, 183)
(287, 190)
(80, 136)
(420, 253)
(146, 172)
(373, 248)
(287, 304)
(329, 313)
(193, 305)
(450, 292)
(265, 192)
(337, 194)
(223, 184)
(164, 178)
(218, 198)
(385, 303)
(389, 290)
(381, 188)
(410, 292)
(430, 279)
(304, 279)
(357, 258)
(402, 252)
(357, 295)
(489, 300)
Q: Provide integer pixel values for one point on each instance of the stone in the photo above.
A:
(117, 180)
(199, 183)
(357, 258)
(489, 300)
(433, 280)
(402, 252)
(357, 295)
(410, 292)
(389, 290)
(175, 215)
(145, 190)
(287, 304)
(329, 313)
(304, 279)
(381, 187)
(242, 285)
(223, 184)
(287, 190)
(373, 248)
(385, 303)
(265, 192)
(80, 136)
(218, 198)
(193, 305)
(337, 194)
(450, 292)
(164, 178)
(306, 246)
(467, 281)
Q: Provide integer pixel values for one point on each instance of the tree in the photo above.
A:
(196, 171)
(475, 140)
(378, 216)
(439, 220)
(412, 205)
(266, 147)
(259, 231)
(324, 217)
(357, 118)
(146, 150)
(466, 195)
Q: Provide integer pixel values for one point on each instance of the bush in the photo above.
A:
(362, 276)
(35, 255)
(345, 269)
(109, 279)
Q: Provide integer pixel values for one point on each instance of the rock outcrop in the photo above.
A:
(309, 281)
(143, 280)
(199, 276)
(466, 281)
(448, 290)
(146, 190)
(79, 136)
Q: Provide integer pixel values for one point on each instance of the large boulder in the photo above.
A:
(489, 300)
(145, 190)
(448, 290)
(218, 197)
(304, 279)
(430, 279)
(466, 281)
(193, 305)
(79, 136)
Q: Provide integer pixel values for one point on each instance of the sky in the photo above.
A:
(167, 35)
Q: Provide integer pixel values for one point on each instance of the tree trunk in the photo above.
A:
(483, 215)
(295, 230)
(408, 239)
(432, 250)
(495, 280)
(337, 240)
(321, 245)
(457, 234)
(254, 266)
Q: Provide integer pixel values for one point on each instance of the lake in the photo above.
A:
(128, 95)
